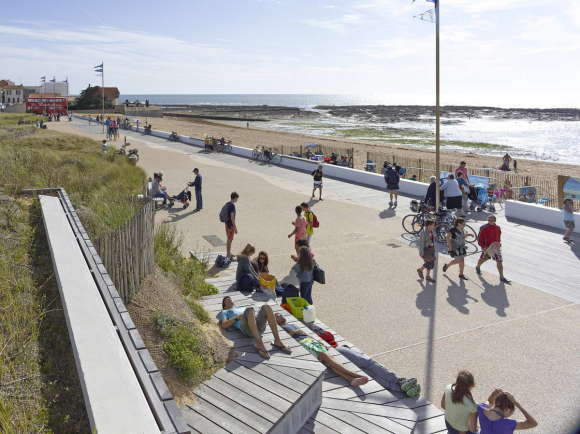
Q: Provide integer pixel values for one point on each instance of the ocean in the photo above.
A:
(551, 140)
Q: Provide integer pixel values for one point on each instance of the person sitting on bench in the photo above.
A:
(251, 324)
(318, 350)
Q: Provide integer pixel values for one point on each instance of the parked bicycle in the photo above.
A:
(266, 155)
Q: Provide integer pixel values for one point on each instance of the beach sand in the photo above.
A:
(256, 136)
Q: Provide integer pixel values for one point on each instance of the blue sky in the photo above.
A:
(494, 52)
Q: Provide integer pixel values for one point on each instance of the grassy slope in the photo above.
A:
(39, 388)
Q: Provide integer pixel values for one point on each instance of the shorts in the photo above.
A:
(393, 188)
(569, 224)
(317, 184)
(429, 258)
(454, 202)
(313, 346)
(230, 232)
(494, 254)
(261, 320)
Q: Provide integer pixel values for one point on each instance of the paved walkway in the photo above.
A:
(522, 337)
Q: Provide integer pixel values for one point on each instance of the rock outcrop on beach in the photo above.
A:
(236, 112)
(399, 113)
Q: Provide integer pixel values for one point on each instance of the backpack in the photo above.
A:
(222, 262)
(315, 222)
(224, 213)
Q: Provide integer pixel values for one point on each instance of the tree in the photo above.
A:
(89, 99)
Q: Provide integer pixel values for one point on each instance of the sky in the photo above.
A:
(510, 53)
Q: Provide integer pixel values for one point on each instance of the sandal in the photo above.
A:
(462, 277)
(445, 267)
(283, 348)
(263, 353)
(420, 273)
(430, 279)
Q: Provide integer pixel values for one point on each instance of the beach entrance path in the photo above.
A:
(522, 337)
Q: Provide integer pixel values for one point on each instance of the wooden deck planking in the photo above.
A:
(220, 417)
(357, 421)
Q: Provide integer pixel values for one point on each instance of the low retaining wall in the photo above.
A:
(538, 214)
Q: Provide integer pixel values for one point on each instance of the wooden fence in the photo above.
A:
(546, 187)
(128, 251)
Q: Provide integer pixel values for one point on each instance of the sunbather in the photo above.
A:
(318, 350)
(251, 324)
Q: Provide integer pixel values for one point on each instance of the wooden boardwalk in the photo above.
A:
(255, 395)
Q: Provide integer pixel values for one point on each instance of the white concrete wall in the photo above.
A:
(538, 214)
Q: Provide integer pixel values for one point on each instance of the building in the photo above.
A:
(111, 94)
(59, 87)
(11, 93)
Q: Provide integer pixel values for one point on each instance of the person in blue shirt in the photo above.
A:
(251, 324)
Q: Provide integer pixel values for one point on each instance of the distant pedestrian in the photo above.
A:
(413, 177)
(463, 170)
(317, 176)
(247, 125)
(490, 242)
(304, 271)
(427, 250)
(459, 405)
(228, 217)
(431, 195)
(464, 187)
(392, 179)
(515, 165)
(568, 217)
(299, 231)
(196, 184)
(311, 220)
(456, 247)
(453, 194)
(494, 414)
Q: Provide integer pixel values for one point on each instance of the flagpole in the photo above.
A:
(103, 93)
(437, 109)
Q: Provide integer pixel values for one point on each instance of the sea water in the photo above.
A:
(532, 139)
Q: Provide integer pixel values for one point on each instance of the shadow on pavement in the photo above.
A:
(175, 215)
(495, 296)
(387, 213)
(457, 295)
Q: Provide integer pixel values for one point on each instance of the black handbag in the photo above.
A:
(318, 274)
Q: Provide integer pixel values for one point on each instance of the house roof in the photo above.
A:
(110, 92)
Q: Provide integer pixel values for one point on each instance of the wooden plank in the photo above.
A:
(335, 423)
(220, 417)
(200, 423)
(233, 408)
(313, 364)
(295, 373)
(378, 410)
(357, 421)
(313, 426)
(272, 380)
(432, 425)
(350, 392)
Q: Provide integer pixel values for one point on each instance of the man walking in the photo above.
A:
(392, 180)
(317, 176)
(490, 241)
(196, 184)
(228, 216)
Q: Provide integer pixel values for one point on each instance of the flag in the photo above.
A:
(99, 68)
(432, 1)
(43, 79)
(53, 80)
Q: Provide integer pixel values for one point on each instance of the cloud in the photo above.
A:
(338, 24)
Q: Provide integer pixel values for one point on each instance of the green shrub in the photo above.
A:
(187, 349)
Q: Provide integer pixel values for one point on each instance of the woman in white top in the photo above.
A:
(459, 405)
(453, 193)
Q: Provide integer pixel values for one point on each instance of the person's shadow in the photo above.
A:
(425, 300)
(457, 295)
(387, 213)
(495, 296)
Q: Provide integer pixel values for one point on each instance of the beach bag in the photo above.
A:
(224, 213)
(222, 262)
(288, 290)
(297, 305)
(318, 275)
(315, 222)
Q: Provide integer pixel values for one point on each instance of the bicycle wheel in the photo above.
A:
(412, 224)
(470, 231)
(276, 159)
(441, 230)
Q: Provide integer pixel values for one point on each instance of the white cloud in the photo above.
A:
(339, 24)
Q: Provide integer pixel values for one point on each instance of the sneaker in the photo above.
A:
(445, 267)
(462, 277)
(406, 385)
(478, 271)
(504, 280)
(391, 203)
(395, 203)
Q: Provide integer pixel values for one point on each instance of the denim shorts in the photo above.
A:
(261, 320)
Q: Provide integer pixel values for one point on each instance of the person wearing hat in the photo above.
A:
(196, 184)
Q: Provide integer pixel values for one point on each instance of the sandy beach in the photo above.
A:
(259, 136)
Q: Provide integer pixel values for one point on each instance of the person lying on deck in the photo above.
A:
(318, 350)
(251, 324)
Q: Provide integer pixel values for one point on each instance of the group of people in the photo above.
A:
(462, 414)
(333, 158)
(158, 190)
(112, 128)
(489, 239)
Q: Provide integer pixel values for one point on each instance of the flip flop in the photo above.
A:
(263, 353)
(283, 348)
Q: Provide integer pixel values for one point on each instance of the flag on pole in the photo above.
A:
(99, 68)
(43, 79)
(53, 80)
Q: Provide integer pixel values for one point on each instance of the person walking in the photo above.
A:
(228, 217)
(494, 414)
(427, 250)
(456, 247)
(304, 271)
(464, 187)
(311, 220)
(299, 231)
(453, 194)
(459, 405)
(317, 176)
(392, 179)
(431, 195)
(196, 184)
(489, 240)
(568, 217)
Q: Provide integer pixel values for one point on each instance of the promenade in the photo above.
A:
(522, 337)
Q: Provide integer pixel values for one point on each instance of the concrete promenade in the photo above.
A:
(522, 337)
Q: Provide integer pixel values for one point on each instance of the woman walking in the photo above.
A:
(299, 231)
(304, 267)
(459, 405)
(494, 414)
(246, 277)
(456, 247)
(427, 250)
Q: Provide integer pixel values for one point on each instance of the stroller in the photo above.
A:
(184, 197)
(481, 199)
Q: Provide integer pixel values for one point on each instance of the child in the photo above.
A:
(568, 216)
(309, 217)
(299, 231)
(427, 250)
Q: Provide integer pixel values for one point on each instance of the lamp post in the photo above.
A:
(437, 109)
